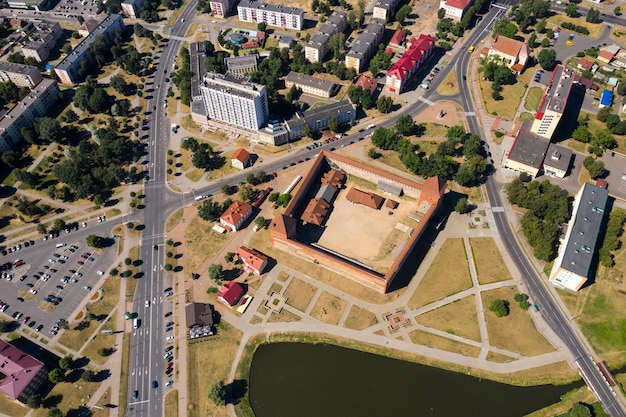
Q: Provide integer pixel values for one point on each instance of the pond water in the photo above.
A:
(301, 380)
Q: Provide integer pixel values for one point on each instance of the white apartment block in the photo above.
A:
(455, 9)
(36, 104)
(385, 9)
(317, 47)
(21, 75)
(234, 101)
(365, 45)
(42, 41)
(131, 8)
(278, 16)
(553, 102)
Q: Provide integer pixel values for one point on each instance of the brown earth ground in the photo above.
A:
(453, 115)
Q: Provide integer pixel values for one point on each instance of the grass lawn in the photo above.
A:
(329, 308)
(124, 372)
(435, 129)
(511, 96)
(299, 294)
(595, 29)
(533, 98)
(449, 86)
(261, 241)
(202, 241)
(72, 394)
(209, 360)
(432, 340)
(497, 357)
(12, 408)
(359, 318)
(100, 341)
(171, 404)
(515, 332)
(195, 174)
(101, 410)
(489, 264)
(283, 316)
(174, 219)
(390, 158)
(577, 146)
(458, 318)
(447, 275)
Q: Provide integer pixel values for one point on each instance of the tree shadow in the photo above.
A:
(80, 362)
(81, 411)
(236, 390)
(138, 275)
(52, 401)
(74, 375)
(138, 262)
(178, 268)
(103, 375)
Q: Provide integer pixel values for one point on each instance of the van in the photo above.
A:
(136, 323)
(60, 245)
(371, 126)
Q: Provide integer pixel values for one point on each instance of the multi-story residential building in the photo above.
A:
(384, 9)
(36, 104)
(553, 102)
(131, 8)
(316, 85)
(574, 265)
(67, 69)
(317, 47)
(236, 215)
(411, 62)
(455, 9)
(234, 101)
(42, 41)
(317, 118)
(87, 27)
(21, 75)
(221, 8)
(365, 45)
(253, 260)
(278, 16)
(22, 375)
(557, 161)
(513, 53)
(239, 66)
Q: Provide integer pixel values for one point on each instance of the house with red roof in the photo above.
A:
(585, 64)
(367, 83)
(411, 62)
(513, 53)
(397, 39)
(241, 159)
(253, 260)
(22, 375)
(455, 9)
(230, 293)
(235, 215)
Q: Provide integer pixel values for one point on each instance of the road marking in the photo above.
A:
(470, 113)
(497, 209)
(427, 101)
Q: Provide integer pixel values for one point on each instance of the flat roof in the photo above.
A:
(270, 7)
(17, 68)
(583, 236)
(557, 92)
(310, 81)
(232, 85)
(364, 41)
(196, 52)
(558, 157)
(102, 28)
(320, 113)
(529, 149)
(24, 104)
(244, 61)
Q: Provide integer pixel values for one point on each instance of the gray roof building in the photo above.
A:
(311, 84)
(21, 75)
(239, 66)
(199, 314)
(573, 266)
(557, 161)
(42, 40)
(527, 153)
(326, 192)
(317, 47)
(383, 9)
(197, 64)
(317, 119)
(364, 45)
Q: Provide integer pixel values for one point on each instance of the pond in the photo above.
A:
(299, 379)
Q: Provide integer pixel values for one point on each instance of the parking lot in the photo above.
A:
(74, 8)
(46, 280)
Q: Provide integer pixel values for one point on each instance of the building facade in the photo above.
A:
(239, 66)
(278, 16)
(253, 260)
(513, 53)
(315, 85)
(553, 102)
(21, 75)
(455, 9)
(317, 47)
(574, 265)
(557, 161)
(240, 159)
(385, 9)
(36, 104)
(42, 40)
(317, 119)
(411, 62)
(235, 216)
(234, 101)
(220, 8)
(131, 8)
(67, 70)
(365, 45)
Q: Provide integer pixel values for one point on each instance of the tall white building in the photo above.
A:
(553, 102)
(279, 16)
(234, 101)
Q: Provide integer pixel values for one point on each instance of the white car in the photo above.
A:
(84, 224)
(147, 303)
(168, 383)
(170, 338)
(32, 291)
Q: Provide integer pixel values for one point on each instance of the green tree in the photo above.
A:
(56, 375)
(284, 199)
(462, 206)
(260, 222)
(547, 59)
(95, 241)
(333, 124)
(59, 224)
(306, 131)
(593, 15)
(55, 412)
(441, 13)
(384, 103)
(216, 271)
(617, 11)
(246, 193)
(34, 401)
(594, 167)
(230, 256)
(217, 393)
(71, 116)
(66, 363)
(210, 210)
(505, 28)
(88, 376)
(582, 134)
(499, 307)
(261, 26)
(579, 410)
(571, 10)
(405, 125)
(48, 129)
(402, 13)
(168, 267)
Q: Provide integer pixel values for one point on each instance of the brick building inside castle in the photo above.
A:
(321, 223)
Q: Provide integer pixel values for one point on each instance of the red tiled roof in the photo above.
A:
(315, 211)
(252, 258)
(585, 64)
(334, 178)
(459, 4)
(230, 293)
(606, 55)
(241, 155)
(370, 200)
(507, 46)
(398, 37)
(235, 212)
(367, 83)
(419, 48)
(18, 369)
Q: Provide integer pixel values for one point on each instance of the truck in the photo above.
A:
(202, 197)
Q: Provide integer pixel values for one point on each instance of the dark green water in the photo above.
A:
(302, 380)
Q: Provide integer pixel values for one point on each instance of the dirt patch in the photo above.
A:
(328, 308)
(452, 115)
(299, 294)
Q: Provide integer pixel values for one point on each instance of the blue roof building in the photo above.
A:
(607, 98)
